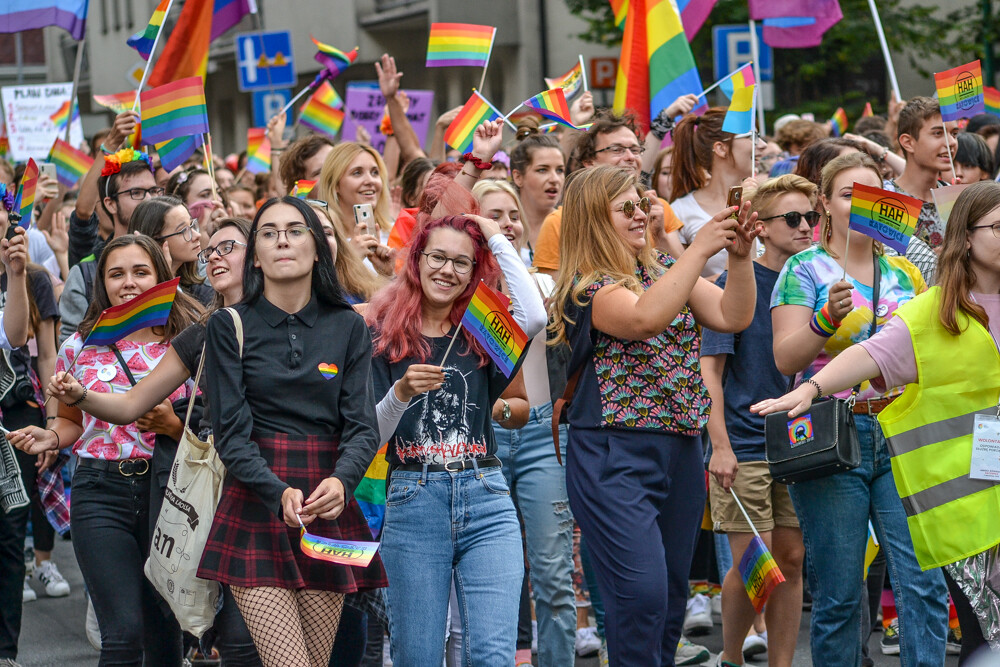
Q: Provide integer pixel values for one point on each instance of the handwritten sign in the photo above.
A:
(365, 105)
(26, 111)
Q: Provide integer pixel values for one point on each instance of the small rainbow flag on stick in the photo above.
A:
(149, 309)
(258, 151)
(757, 567)
(742, 78)
(332, 58)
(475, 112)
(370, 492)
(838, 122)
(960, 91)
(175, 109)
(61, 117)
(868, 110)
(889, 217)
(328, 95)
(460, 44)
(303, 188)
(321, 117)
(489, 322)
(571, 82)
(341, 552)
(174, 152)
(25, 199)
(739, 118)
(117, 102)
(70, 163)
(143, 41)
(552, 105)
(992, 100)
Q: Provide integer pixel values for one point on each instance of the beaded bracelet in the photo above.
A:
(79, 400)
(819, 389)
(479, 164)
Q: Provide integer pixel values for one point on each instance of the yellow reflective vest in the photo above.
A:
(929, 429)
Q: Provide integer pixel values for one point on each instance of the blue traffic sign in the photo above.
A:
(264, 60)
(731, 49)
(267, 104)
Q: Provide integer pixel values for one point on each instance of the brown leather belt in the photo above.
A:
(871, 406)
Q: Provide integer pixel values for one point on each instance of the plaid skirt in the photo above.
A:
(250, 546)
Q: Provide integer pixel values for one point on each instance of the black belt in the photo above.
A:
(125, 467)
(453, 466)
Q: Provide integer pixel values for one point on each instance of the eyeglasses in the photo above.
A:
(224, 248)
(617, 150)
(188, 233)
(436, 260)
(995, 227)
(793, 218)
(139, 194)
(629, 206)
(318, 203)
(294, 234)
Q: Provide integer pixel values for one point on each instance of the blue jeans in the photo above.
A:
(834, 512)
(538, 482)
(439, 525)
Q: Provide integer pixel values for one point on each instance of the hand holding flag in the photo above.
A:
(24, 202)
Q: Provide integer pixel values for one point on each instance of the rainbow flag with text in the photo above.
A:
(889, 217)
(960, 91)
(760, 573)
(489, 321)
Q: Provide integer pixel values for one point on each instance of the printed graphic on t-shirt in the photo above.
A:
(444, 424)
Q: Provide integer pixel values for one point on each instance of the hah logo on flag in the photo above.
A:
(966, 86)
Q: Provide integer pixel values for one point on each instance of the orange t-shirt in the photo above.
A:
(546, 250)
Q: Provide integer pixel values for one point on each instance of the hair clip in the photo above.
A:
(182, 177)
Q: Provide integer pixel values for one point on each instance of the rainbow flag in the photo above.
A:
(117, 102)
(475, 112)
(173, 110)
(760, 573)
(370, 492)
(488, 320)
(258, 151)
(945, 198)
(552, 105)
(838, 122)
(143, 41)
(992, 100)
(149, 309)
(460, 44)
(326, 94)
(333, 58)
(341, 552)
(741, 78)
(70, 163)
(199, 23)
(321, 117)
(174, 152)
(693, 14)
(739, 118)
(303, 188)
(571, 82)
(889, 217)
(960, 91)
(25, 199)
(61, 116)
(868, 110)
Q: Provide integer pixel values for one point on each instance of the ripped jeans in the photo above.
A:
(538, 483)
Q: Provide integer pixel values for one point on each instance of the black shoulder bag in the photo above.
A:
(822, 441)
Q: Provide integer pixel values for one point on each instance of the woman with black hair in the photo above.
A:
(973, 159)
(294, 422)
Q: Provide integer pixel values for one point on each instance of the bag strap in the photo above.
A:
(121, 360)
(238, 323)
(561, 404)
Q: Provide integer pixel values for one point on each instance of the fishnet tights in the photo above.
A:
(290, 628)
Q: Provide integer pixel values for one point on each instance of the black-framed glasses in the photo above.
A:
(437, 260)
(629, 206)
(617, 150)
(793, 218)
(995, 227)
(139, 194)
(294, 234)
(187, 232)
(223, 248)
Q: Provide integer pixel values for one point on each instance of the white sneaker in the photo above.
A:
(29, 593)
(49, 576)
(698, 618)
(690, 654)
(717, 607)
(92, 628)
(754, 645)
(587, 642)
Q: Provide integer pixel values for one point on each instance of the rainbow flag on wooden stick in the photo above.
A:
(258, 151)
(341, 552)
(143, 41)
(889, 217)
(571, 82)
(326, 94)
(70, 163)
(552, 105)
(760, 573)
(173, 110)
(321, 117)
(149, 309)
(302, 188)
(960, 91)
(25, 199)
(488, 320)
(460, 45)
(477, 110)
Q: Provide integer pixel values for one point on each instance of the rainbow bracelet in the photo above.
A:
(822, 323)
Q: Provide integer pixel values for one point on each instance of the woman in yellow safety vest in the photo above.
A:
(942, 346)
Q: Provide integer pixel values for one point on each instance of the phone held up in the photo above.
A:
(364, 214)
(735, 199)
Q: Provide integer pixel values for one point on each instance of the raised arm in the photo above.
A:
(406, 136)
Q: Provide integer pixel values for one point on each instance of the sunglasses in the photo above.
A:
(629, 206)
(793, 218)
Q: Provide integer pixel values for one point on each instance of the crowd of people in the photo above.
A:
(665, 322)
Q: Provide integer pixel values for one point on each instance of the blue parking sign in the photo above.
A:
(264, 60)
(731, 49)
(267, 103)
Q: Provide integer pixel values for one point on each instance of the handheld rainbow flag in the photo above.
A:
(326, 94)
(739, 118)
(838, 122)
(571, 82)
(475, 112)
(25, 199)
(258, 151)
(867, 113)
(945, 198)
(61, 116)
(174, 152)
(332, 58)
(370, 492)
(149, 309)
(70, 163)
(173, 110)
(460, 45)
(742, 78)
(960, 91)
(341, 552)
(321, 117)
(302, 188)
(143, 41)
(992, 100)
(552, 105)
(488, 320)
(117, 102)
(760, 573)
(889, 217)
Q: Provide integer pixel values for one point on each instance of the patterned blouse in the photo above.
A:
(652, 384)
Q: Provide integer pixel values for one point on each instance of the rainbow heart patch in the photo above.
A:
(329, 371)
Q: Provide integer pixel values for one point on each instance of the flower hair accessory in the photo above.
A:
(113, 163)
(7, 197)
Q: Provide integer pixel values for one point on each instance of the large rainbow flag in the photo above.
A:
(960, 91)
(889, 217)
(460, 44)
(489, 321)
(200, 22)
(174, 110)
(760, 573)
(475, 112)
(341, 552)
(693, 14)
(149, 309)
(71, 164)
(143, 41)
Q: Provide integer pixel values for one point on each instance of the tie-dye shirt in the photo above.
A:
(805, 281)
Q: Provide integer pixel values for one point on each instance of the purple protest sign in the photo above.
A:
(364, 105)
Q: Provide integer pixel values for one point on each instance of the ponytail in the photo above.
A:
(694, 139)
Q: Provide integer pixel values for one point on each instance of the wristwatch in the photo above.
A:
(505, 413)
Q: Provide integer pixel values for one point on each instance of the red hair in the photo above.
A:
(395, 313)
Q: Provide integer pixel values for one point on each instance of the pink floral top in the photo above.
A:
(98, 370)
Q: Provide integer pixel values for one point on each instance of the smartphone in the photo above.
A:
(365, 215)
(735, 198)
(48, 169)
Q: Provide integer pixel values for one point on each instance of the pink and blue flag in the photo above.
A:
(19, 15)
(693, 15)
(795, 24)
